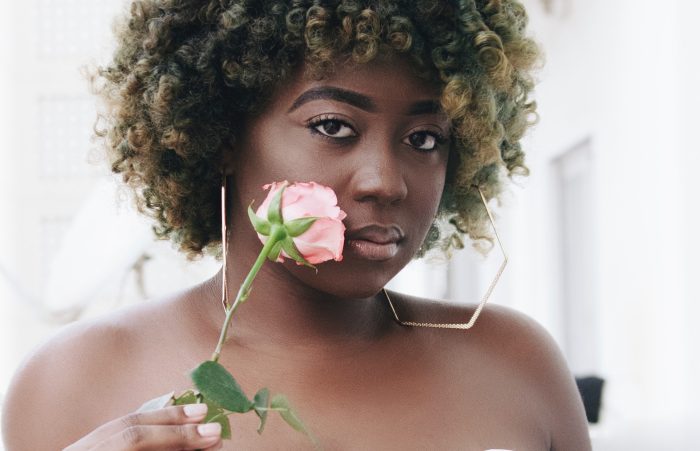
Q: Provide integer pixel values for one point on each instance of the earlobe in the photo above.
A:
(227, 161)
(228, 155)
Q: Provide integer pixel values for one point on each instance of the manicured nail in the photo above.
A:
(195, 410)
(209, 429)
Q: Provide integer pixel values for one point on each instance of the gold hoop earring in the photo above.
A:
(224, 244)
(484, 300)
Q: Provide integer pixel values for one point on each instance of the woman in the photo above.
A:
(404, 109)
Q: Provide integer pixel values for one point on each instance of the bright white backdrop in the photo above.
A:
(602, 237)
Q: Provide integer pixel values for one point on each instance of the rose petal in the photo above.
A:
(323, 241)
(309, 199)
(325, 238)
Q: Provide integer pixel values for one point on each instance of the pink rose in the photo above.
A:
(324, 240)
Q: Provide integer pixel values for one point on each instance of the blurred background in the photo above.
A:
(602, 237)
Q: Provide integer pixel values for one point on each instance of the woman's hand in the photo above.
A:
(170, 428)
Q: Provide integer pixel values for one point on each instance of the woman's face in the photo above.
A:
(375, 134)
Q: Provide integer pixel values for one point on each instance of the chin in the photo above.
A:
(346, 280)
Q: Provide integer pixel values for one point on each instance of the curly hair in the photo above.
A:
(185, 70)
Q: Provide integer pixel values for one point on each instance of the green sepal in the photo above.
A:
(261, 402)
(275, 251)
(216, 413)
(260, 225)
(157, 403)
(274, 213)
(291, 249)
(218, 385)
(296, 227)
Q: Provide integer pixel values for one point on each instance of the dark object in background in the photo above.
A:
(591, 389)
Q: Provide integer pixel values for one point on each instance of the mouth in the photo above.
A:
(374, 242)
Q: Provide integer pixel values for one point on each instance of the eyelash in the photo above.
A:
(313, 123)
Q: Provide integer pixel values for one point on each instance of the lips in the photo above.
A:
(374, 242)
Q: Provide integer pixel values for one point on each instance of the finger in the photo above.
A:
(216, 446)
(173, 415)
(184, 436)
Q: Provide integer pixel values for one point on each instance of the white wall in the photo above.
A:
(620, 76)
(689, 210)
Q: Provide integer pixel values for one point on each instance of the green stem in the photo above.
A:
(276, 234)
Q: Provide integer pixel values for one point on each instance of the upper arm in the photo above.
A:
(539, 358)
(569, 426)
(43, 408)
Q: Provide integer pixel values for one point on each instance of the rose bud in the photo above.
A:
(312, 229)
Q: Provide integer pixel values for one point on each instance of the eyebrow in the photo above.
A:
(359, 100)
(331, 93)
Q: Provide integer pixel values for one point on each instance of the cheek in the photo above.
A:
(428, 186)
(280, 155)
(428, 196)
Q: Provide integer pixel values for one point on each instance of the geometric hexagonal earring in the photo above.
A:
(485, 298)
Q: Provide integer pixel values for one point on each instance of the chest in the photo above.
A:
(402, 399)
(424, 418)
(399, 401)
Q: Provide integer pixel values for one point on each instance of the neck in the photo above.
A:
(284, 317)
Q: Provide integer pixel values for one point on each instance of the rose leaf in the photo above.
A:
(281, 404)
(218, 385)
(261, 402)
(186, 397)
(216, 413)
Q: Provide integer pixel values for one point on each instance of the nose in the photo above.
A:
(379, 176)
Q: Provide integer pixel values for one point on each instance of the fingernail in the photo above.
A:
(209, 429)
(195, 410)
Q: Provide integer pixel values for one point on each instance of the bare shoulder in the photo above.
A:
(518, 350)
(500, 331)
(55, 393)
(538, 357)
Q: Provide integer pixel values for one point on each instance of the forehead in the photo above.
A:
(390, 83)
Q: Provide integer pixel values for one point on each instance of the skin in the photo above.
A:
(328, 341)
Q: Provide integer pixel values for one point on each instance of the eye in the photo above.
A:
(330, 127)
(426, 140)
